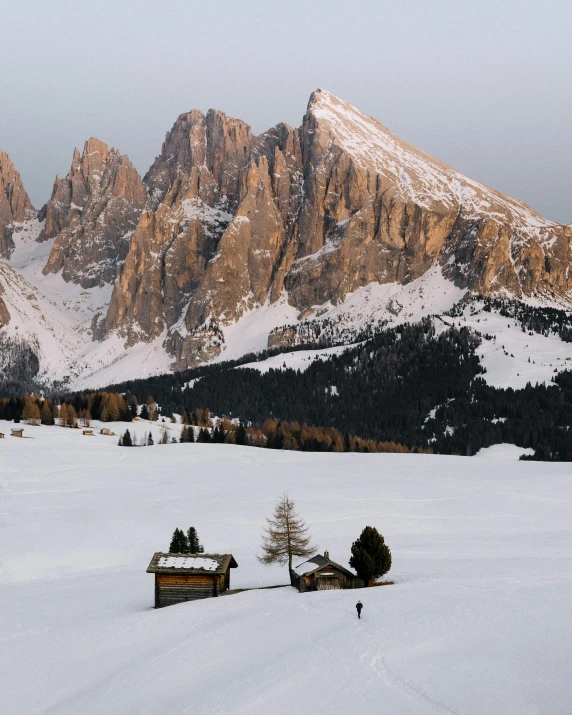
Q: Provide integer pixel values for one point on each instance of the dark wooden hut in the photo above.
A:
(187, 577)
(17, 432)
(320, 573)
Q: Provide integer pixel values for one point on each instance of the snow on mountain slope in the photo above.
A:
(512, 358)
(395, 303)
(477, 621)
(250, 239)
(297, 360)
(422, 178)
(59, 315)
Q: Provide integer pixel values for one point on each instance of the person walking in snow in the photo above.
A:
(359, 606)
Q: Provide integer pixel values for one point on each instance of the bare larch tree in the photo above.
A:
(285, 536)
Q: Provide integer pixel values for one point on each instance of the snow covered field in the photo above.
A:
(478, 622)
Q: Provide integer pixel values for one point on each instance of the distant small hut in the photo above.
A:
(108, 432)
(320, 573)
(188, 577)
(88, 432)
(17, 432)
(1, 435)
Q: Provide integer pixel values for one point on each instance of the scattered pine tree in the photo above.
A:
(371, 557)
(204, 436)
(195, 546)
(179, 543)
(241, 436)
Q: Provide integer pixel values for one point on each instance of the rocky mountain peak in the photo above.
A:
(305, 226)
(92, 214)
(15, 204)
(202, 157)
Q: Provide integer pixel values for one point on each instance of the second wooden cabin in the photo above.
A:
(187, 577)
(320, 573)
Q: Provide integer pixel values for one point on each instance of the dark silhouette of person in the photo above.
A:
(359, 606)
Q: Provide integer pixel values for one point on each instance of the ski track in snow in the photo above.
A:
(477, 621)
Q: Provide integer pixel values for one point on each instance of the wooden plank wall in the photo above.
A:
(177, 588)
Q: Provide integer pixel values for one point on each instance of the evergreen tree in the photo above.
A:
(150, 440)
(179, 543)
(195, 546)
(187, 434)
(371, 557)
(285, 536)
(127, 442)
(218, 434)
(241, 436)
(133, 406)
(144, 412)
(204, 436)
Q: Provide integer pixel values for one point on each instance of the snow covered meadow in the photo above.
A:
(478, 621)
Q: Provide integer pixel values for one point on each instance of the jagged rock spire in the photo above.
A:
(92, 214)
(15, 204)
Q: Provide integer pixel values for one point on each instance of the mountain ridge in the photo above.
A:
(230, 236)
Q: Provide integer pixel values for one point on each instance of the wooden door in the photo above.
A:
(328, 583)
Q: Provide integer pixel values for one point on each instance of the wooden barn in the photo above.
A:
(187, 577)
(16, 432)
(320, 573)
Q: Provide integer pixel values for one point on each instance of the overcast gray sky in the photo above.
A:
(484, 86)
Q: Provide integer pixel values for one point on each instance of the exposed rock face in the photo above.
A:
(220, 194)
(225, 222)
(377, 209)
(195, 184)
(92, 215)
(313, 214)
(15, 205)
(4, 313)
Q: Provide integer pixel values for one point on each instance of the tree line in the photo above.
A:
(405, 389)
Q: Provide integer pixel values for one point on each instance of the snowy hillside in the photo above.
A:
(477, 622)
(60, 315)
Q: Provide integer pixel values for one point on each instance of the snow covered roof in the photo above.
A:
(316, 563)
(188, 562)
(191, 563)
(306, 567)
